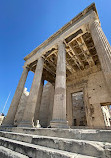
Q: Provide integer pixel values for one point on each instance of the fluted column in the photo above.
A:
(59, 108)
(32, 102)
(9, 121)
(103, 50)
(37, 109)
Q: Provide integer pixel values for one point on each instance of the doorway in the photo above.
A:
(106, 110)
(78, 109)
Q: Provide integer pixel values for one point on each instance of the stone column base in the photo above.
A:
(59, 124)
(26, 124)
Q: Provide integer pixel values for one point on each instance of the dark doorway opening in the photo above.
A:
(78, 109)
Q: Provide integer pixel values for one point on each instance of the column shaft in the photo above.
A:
(103, 50)
(59, 108)
(32, 102)
(9, 121)
(37, 109)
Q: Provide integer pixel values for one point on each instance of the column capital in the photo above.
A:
(93, 23)
(60, 42)
(61, 45)
(41, 58)
(26, 67)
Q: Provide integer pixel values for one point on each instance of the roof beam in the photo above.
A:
(76, 58)
(69, 67)
(85, 51)
(51, 63)
(48, 69)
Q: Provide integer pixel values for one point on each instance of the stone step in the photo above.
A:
(90, 148)
(7, 153)
(80, 134)
(36, 151)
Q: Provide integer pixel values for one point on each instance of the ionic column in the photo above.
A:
(103, 50)
(28, 118)
(59, 108)
(37, 109)
(9, 121)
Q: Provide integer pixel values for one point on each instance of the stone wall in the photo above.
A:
(95, 93)
(21, 107)
(46, 107)
(78, 109)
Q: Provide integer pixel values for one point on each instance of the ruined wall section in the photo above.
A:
(95, 93)
(79, 115)
(21, 107)
(46, 108)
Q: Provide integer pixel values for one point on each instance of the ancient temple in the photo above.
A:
(76, 63)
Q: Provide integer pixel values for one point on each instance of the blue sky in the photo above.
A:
(24, 24)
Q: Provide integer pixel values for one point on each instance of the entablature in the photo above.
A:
(80, 50)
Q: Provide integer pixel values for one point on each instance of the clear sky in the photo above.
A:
(24, 24)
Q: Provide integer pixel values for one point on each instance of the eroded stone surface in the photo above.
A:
(75, 59)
